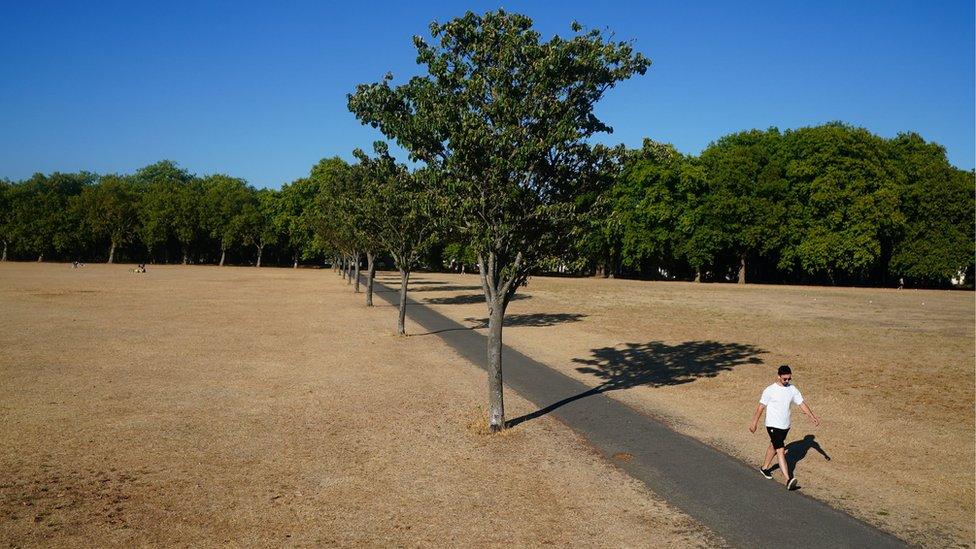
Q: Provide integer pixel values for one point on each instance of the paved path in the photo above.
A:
(721, 492)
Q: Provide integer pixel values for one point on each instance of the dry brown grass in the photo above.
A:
(890, 372)
(204, 406)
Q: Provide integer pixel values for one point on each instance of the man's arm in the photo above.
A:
(813, 417)
(755, 418)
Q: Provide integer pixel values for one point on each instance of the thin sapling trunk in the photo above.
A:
(370, 274)
(355, 272)
(496, 397)
(498, 293)
(401, 317)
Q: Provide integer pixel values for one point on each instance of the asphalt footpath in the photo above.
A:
(721, 492)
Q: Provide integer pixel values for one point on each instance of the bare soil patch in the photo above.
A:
(205, 406)
(890, 372)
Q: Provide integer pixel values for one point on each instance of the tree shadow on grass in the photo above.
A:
(465, 299)
(534, 320)
(654, 364)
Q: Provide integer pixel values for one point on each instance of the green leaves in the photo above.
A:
(841, 199)
(397, 211)
(831, 203)
(502, 119)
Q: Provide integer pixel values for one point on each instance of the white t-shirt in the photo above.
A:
(777, 398)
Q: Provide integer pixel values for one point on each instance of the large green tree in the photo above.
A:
(938, 201)
(41, 219)
(746, 193)
(294, 216)
(657, 212)
(163, 206)
(504, 121)
(222, 201)
(256, 223)
(109, 212)
(843, 201)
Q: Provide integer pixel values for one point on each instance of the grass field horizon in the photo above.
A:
(271, 398)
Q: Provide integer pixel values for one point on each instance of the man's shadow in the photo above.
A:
(797, 450)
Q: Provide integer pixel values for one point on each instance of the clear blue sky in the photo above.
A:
(257, 90)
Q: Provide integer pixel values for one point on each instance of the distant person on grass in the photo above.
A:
(776, 400)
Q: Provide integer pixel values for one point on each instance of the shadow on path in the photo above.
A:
(534, 320)
(654, 364)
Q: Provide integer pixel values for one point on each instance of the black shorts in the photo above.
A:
(777, 436)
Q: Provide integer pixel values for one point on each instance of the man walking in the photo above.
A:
(776, 400)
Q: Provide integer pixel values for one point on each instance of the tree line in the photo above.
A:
(831, 204)
(508, 182)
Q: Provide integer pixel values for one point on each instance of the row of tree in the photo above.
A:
(826, 204)
(160, 213)
(500, 125)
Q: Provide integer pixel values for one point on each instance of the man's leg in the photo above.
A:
(770, 453)
(781, 454)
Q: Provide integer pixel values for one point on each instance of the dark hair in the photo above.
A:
(783, 370)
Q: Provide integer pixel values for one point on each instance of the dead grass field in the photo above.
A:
(891, 373)
(203, 406)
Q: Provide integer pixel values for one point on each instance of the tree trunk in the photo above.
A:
(295, 266)
(348, 270)
(370, 273)
(223, 255)
(496, 398)
(4, 257)
(742, 268)
(186, 258)
(40, 257)
(404, 279)
(355, 271)
(698, 274)
(111, 254)
(260, 252)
